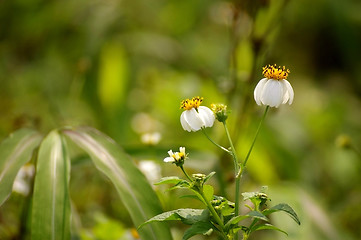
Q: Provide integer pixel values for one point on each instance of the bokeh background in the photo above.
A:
(124, 66)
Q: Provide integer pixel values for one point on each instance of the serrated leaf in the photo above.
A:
(205, 228)
(285, 208)
(169, 180)
(15, 151)
(133, 188)
(51, 203)
(186, 215)
(253, 214)
(208, 192)
(266, 227)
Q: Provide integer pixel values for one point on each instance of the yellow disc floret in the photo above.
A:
(191, 103)
(275, 72)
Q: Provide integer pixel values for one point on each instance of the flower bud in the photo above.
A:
(220, 111)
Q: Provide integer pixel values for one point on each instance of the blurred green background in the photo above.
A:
(124, 66)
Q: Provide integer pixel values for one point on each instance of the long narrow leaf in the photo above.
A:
(137, 195)
(15, 151)
(51, 203)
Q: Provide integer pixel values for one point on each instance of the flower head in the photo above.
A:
(274, 90)
(176, 157)
(220, 110)
(195, 116)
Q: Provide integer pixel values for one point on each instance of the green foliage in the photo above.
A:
(50, 210)
(15, 151)
(51, 201)
(285, 208)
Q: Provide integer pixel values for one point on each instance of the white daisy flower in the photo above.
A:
(195, 116)
(176, 157)
(274, 90)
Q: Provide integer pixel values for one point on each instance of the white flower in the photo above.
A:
(22, 181)
(274, 89)
(151, 138)
(195, 116)
(177, 157)
(150, 169)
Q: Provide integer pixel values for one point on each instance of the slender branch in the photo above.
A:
(210, 139)
(255, 137)
(186, 174)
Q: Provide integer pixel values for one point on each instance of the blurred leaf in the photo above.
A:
(186, 215)
(133, 188)
(266, 226)
(205, 228)
(51, 203)
(15, 151)
(113, 74)
(285, 208)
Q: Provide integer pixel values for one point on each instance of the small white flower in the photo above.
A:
(177, 157)
(151, 138)
(274, 90)
(22, 181)
(195, 116)
(150, 169)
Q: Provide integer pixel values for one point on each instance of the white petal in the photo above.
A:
(286, 96)
(170, 153)
(184, 123)
(192, 118)
(272, 93)
(206, 115)
(258, 90)
(289, 90)
(169, 159)
(182, 150)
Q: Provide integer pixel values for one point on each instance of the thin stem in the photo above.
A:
(186, 174)
(255, 137)
(214, 213)
(243, 166)
(233, 150)
(210, 139)
(236, 170)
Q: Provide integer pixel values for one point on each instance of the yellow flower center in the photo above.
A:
(191, 103)
(275, 72)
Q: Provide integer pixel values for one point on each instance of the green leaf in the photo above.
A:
(285, 208)
(253, 214)
(15, 151)
(197, 197)
(205, 228)
(186, 215)
(208, 192)
(209, 176)
(51, 203)
(169, 180)
(134, 190)
(266, 227)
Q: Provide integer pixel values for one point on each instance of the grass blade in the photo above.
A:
(133, 188)
(15, 151)
(51, 203)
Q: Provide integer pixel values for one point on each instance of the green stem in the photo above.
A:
(233, 150)
(255, 137)
(214, 214)
(243, 166)
(186, 174)
(236, 170)
(210, 139)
